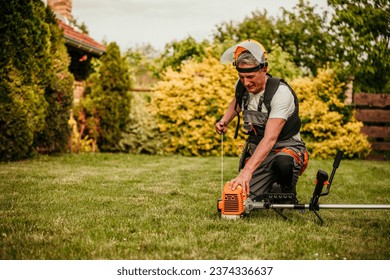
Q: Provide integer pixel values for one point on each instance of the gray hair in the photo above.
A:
(247, 58)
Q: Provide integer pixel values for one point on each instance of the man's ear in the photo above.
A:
(265, 69)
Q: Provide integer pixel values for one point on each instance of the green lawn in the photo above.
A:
(119, 206)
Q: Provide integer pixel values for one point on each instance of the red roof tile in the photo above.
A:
(81, 41)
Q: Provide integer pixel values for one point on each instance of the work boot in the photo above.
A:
(275, 188)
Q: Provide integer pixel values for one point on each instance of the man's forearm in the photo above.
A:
(259, 155)
(271, 134)
(230, 113)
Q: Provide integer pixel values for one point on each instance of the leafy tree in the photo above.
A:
(141, 134)
(303, 34)
(107, 100)
(58, 95)
(141, 65)
(259, 26)
(177, 52)
(361, 28)
(280, 64)
(30, 64)
(355, 38)
(22, 113)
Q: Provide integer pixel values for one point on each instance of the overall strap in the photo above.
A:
(270, 89)
(293, 123)
(240, 91)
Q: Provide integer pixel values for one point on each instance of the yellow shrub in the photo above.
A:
(189, 103)
(79, 145)
(326, 125)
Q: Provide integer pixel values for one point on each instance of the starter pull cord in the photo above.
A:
(222, 182)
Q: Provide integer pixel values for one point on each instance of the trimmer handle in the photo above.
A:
(321, 179)
(337, 159)
(336, 164)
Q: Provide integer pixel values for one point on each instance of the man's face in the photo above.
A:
(254, 82)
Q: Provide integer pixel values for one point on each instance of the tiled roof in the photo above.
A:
(80, 40)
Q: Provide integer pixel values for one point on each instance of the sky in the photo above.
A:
(132, 23)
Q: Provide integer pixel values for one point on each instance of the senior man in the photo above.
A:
(274, 154)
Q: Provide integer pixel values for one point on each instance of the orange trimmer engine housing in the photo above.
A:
(231, 204)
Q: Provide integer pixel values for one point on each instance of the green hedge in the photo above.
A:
(35, 85)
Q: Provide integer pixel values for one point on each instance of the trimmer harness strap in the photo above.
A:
(292, 124)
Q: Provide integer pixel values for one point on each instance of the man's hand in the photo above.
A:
(221, 127)
(272, 131)
(242, 180)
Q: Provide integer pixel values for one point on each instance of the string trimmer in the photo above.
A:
(235, 204)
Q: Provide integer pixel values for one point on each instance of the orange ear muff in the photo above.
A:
(238, 51)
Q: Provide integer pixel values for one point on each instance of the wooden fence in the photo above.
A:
(374, 111)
